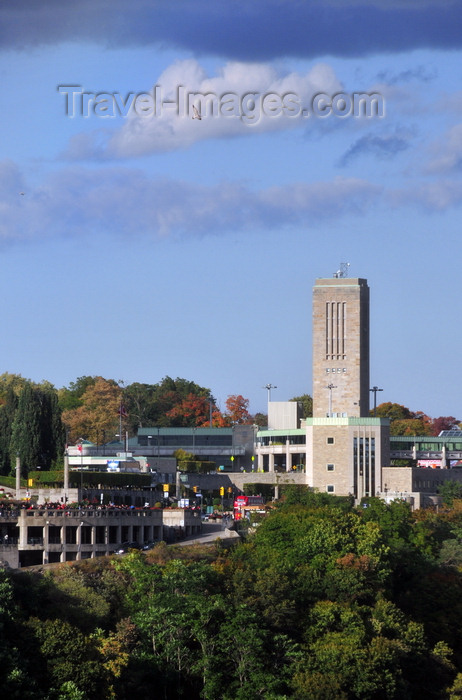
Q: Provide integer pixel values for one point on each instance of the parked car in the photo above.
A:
(148, 545)
(126, 546)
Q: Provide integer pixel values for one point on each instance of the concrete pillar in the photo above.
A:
(79, 541)
(178, 482)
(18, 478)
(288, 457)
(271, 462)
(46, 539)
(66, 475)
(22, 524)
(444, 464)
(260, 462)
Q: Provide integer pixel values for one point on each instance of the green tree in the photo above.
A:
(69, 656)
(37, 433)
(450, 491)
(141, 405)
(307, 404)
(359, 652)
(71, 397)
(14, 382)
(7, 414)
(260, 419)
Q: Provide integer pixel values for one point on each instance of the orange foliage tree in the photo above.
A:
(194, 412)
(237, 410)
(97, 418)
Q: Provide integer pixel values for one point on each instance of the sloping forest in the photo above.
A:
(323, 600)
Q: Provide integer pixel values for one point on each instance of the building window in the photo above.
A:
(330, 467)
(330, 440)
(330, 488)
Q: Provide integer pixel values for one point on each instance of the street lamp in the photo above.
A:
(268, 387)
(330, 387)
(374, 390)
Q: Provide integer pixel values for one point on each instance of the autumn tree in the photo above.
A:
(403, 421)
(193, 411)
(393, 411)
(410, 426)
(443, 423)
(237, 410)
(97, 418)
(169, 403)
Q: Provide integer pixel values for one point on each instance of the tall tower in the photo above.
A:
(340, 347)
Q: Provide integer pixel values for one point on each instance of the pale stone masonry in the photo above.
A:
(340, 347)
(346, 454)
(346, 449)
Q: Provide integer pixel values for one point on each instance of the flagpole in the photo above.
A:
(120, 423)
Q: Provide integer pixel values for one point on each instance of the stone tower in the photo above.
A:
(340, 348)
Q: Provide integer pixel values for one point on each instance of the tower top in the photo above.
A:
(342, 271)
(341, 282)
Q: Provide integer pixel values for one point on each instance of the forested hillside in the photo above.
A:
(323, 601)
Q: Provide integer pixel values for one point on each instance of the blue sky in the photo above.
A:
(163, 245)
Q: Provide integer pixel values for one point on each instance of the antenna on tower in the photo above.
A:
(343, 271)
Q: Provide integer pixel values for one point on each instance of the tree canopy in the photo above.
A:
(403, 421)
(322, 600)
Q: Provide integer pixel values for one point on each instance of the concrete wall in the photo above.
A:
(283, 415)
(236, 480)
(180, 523)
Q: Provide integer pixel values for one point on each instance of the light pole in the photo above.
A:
(374, 390)
(211, 411)
(80, 449)
(268, 387)
(330, 387)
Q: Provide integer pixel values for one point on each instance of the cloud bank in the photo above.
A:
(124, 202)
(242, 30)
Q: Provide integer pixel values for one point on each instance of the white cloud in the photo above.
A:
(169, 130)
